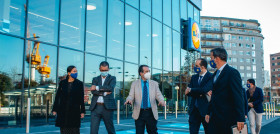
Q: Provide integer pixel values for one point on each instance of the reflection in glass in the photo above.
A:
(157, 9)
(134, 3)
(167, 49)
(145, 6)
(96, 26)
(145, 39)
(12, 16)
(10, 78)
(157, 44)
(190, 10)
(176, 52)
(91, 70)
(116, 69)
(176, 15)
(115, 29)
(72, 23)
(183, 7)
(157, 76)
(67, 58)
(43, 19)
(131, 34)
(196, 15)
(167, 12)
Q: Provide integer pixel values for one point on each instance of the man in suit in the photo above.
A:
(226, 107)
(103, 103)
(143, 94)
(200, 85)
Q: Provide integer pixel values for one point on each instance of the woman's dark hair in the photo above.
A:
(141, 68)
(252, 81)
(70, 68)
(220, 52)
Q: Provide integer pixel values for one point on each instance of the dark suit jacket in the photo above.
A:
(198, 92)
(226, 107)
(108, 86)
(257, 99)
(245, 101)
(69, 106)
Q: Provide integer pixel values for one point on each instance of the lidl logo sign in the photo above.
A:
(194, 35)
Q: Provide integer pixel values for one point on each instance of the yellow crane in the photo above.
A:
(44, 70)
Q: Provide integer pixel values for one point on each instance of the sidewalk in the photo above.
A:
(169, 126)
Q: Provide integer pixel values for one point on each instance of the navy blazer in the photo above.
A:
(257, 100)
(108, 86)
(198, 92)
(226, 107)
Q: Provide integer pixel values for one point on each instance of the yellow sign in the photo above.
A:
(195, 35)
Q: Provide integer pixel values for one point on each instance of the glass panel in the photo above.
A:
(67, 58)
(176, 15)
(167, 12)
(12, 16)
(190, 10)
(157, 9)
(196, 15)
(176, 52)
(145, 6)
(116, 69)
(10, 77)
(42, 74)
(157, 45)
(43, 19)
(134, 3)
(167, 86)
(115, 29)
(91, 71)
(131, 34)
(96, 26)
(157, 76)
(145, 39)
(167, 49)
(72, 23)
(183, 4)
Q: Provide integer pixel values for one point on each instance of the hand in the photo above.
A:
(209, 93)
(161, 103)
(250, 105)
(246, 117)
(129, 102)
(240, 126)
(207, 117)
(93, 87)
(54, 113)
(82, 115)
(187, 91)
(108, 93)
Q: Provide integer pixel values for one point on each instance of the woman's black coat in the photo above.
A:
(72, 117)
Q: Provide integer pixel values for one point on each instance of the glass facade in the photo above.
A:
(59, 33)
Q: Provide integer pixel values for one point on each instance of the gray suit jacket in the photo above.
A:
(135, 95)
(108, 86)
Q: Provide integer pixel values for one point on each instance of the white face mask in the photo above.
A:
(147, 75)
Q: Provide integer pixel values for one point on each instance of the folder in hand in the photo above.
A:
(243, 131)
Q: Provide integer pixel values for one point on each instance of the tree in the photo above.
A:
(5, 85)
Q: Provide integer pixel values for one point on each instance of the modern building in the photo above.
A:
(40, 38)
(275, 74)
(243, 41)
(267, 81)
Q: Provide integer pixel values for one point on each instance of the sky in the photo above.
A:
(267, 12)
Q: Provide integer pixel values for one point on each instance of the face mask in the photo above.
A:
(212, 64)
(147, 75)
(104, 74)
(74, 75)
(197, 70)
(248, 85)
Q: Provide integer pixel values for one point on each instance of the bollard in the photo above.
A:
(269, 110)
(165, 110)
(28, 115)
(271, 105)
(266, 112)
(176, 108)
(118, 112)
(273, 109)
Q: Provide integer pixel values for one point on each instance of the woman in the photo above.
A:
(255, 100)
(69, 103)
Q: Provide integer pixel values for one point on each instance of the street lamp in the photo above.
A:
(177, 88)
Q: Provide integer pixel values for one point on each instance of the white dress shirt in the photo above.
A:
(100, 98)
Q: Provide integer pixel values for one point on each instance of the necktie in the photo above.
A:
(217, 75)
(145, 95)
(200, 79)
